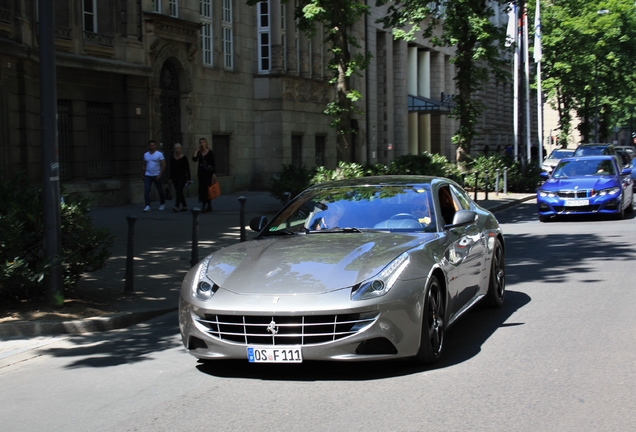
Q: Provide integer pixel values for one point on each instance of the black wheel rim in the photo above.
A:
(435, 315)
(500, 275)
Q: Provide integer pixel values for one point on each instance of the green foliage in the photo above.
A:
(296, 179)
(22, 262)
(589, 59)
(480, 44)
(293, 179)
(425, 164)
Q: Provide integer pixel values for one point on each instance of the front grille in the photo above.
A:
(581, 209)
(284, 330)
(583, 193)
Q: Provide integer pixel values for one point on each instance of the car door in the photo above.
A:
(464, 250)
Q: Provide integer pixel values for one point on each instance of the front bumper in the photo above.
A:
(552, 206)
(390, 326)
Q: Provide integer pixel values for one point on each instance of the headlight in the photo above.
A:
(610, 191)
(545, 193)
(203, 288)
(383, 282)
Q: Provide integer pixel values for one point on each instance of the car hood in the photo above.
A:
(307, 264)
(590, 182)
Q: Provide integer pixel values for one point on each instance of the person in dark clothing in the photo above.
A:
(179, 176)
(206, 173)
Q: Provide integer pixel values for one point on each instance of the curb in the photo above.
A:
(512, 203)
(88, 325)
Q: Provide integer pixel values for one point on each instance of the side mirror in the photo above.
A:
(462, 218)
(626, 171)
(258, 223)
(544, 175)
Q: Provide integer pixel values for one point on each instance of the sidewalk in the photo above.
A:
(162, 250)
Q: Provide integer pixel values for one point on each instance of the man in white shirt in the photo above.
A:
(153, 167)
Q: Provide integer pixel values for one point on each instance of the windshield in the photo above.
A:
(560, 154)
(356, 209)
(585, 167)
(591, 151)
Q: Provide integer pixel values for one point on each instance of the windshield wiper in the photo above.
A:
(281, 232)
(337, 230)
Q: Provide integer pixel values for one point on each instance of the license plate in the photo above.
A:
(290, 354)
(576, 203)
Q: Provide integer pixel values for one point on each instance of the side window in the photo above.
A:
(460, 198)
(447, 204)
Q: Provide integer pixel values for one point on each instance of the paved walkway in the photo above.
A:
(162, 249)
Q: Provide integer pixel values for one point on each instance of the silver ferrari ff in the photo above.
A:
(365, 269)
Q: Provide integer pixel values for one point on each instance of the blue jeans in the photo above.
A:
(148, 182)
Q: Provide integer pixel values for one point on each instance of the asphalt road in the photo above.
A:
(558, 357)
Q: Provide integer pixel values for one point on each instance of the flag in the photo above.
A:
(511, 30)
(537, 34)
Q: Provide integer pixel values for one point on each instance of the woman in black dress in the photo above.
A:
(206, 173)
(179, 176)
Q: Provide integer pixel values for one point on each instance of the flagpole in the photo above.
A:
(527, 81)
(538, 54)
(513, 35)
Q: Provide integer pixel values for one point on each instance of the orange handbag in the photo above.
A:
(214, 190)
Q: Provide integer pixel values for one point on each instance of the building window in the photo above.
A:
(99, 122)
(174, 8)
(64, 135)
(221, 149)
(320, 150)
(90, 16)
(206, 31)
(297, 150)
(283, 33)
(228, 55)
(297, 39)
(264, 45)
(156, 6)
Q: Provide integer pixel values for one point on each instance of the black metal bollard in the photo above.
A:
(486, 172)
(497, 182)
(463, 180)
(476, 183)
(129, 285)
(286, 197)
(505, 181)
(242, 200)
(194, 257)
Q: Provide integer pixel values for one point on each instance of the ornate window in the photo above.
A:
(206, 31)
(226, 22)
(264, 43)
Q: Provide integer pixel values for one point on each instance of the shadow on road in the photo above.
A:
(463, 342)
(127, 346)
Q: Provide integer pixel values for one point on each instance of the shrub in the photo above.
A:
(293, 179)
(23, 266)
(425, 164)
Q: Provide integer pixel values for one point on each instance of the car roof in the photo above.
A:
(395, 180)
(593, 157)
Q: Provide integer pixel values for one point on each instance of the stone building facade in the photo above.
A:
(241, 76)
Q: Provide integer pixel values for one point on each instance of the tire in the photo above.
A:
(432, 339)
(497, 284)
(544, 218)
